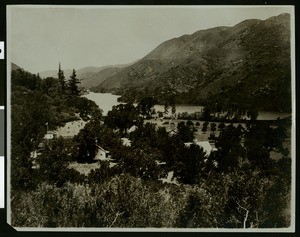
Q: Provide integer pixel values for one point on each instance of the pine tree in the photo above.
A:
(61, 79)
(73, 84)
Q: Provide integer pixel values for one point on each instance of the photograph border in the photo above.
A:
(292, 229)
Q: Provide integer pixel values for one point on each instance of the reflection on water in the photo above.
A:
(106, 101)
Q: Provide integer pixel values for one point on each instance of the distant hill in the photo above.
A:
(53, 73)
(90, 76)
(247, 64)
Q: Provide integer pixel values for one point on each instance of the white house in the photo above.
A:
(173, 132)
(102, 154)
(207, 147)
(132, 129)
(49, 135)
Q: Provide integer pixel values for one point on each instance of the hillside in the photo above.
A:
(247, 64)
(14, 66)
(90, 76)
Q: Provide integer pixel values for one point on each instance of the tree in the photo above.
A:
(213, 127)
(205, 125)
(206, 114)
(101, 174)
(87, 141)
(221, 126)
(256, 200)
(230, 150)
(252, 114)
(142, 163)
(73, 84)
(145, 106)
(173, 109)
(170, 100)
(189, 123)
(260, 139)
(185, 132)
(190, 164)
(200, 211)
(50, 86)
(122, 117)
(61, 79)
(25, 79)
(53, 164)
(144, 136)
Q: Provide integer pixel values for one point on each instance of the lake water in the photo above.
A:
(106, 101)
(180, 108)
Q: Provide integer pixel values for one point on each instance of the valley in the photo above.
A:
(195, 134)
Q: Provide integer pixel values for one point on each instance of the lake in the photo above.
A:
(106, 101)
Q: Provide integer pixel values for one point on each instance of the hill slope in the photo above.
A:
(90, 76)
(247, 64)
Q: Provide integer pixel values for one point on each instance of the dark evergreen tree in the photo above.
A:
(190, 164)
(73, 84)
(61, 79)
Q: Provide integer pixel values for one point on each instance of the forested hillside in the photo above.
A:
(35, 105)
(247, 65)
(237, 186)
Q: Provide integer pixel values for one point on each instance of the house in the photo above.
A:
(205, 145)
(173, 132)
(33, 154)
(154, 115)
(132, 129)
(126, 141)
(102, 154)
(50, 135)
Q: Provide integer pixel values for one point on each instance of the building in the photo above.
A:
(173, 132)
(205, 145)
(50, 135)
(132, 129)
(102, 154)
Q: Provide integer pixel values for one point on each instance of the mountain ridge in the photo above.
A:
(252, 57)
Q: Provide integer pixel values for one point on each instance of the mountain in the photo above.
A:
(246, 65)
(90, 76)
(53, 73)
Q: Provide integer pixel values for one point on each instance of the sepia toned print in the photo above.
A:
(169, 118)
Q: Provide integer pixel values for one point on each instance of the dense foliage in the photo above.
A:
(35, 105)
(236, 186)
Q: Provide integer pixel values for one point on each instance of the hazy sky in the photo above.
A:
(40, 37)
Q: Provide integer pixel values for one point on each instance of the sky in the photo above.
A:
(39, 37)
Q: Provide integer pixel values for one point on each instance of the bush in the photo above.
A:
(123, 201)
(189, 123)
